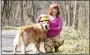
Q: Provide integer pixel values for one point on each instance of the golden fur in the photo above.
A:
(33, 33)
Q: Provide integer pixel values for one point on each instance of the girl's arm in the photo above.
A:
(59, 27)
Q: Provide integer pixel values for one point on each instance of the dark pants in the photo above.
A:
(53, 43)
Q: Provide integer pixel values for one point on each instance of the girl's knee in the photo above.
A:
(48, 46)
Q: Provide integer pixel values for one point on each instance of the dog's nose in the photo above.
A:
(45, 26)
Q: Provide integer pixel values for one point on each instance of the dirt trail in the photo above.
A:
(7, 43)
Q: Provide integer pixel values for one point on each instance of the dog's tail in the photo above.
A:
(17, 37)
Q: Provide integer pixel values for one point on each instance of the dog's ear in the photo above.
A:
(41, 26)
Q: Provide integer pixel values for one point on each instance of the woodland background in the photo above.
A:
(75, 15)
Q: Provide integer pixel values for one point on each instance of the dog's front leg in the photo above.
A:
(38, 46)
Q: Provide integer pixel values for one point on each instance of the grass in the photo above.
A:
(10, 28)
(76, 42)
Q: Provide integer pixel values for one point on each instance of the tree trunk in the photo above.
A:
(76, 16)
(22, 19)
(71, 14)
(33, 12)
(66, 15)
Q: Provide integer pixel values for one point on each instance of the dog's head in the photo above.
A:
(45, 22)
(45, 25)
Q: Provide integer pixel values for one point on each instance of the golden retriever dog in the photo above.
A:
(35, 33)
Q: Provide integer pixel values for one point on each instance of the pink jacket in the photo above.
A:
(56, 26)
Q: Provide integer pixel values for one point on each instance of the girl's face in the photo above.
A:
(54, 12)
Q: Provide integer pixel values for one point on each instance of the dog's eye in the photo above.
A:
(43, 21)
(47, 22)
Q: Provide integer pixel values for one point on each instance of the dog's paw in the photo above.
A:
(14, 53)
(39, 52)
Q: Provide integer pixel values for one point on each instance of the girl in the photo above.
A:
(56, 25)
